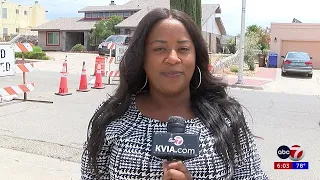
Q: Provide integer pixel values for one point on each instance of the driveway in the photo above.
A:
(295, 84)
(74, 62)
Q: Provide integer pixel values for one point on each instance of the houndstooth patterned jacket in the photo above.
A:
(126, 153)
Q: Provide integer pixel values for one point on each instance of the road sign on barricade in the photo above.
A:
(9, 68)
(120, 50)
(7, 60)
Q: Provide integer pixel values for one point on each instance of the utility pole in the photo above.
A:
(241, 60)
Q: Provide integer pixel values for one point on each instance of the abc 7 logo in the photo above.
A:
(178, 140)
(295, 153)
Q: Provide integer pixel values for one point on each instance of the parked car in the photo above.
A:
(116, 39)
(298, 62)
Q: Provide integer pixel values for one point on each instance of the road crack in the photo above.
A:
(27, 108)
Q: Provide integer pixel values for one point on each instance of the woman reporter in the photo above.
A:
(164, 72)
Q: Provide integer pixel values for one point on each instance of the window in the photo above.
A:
(25, 12)
(298, 56)
(127, 31)
(126, 14)
(17, 30)
(120, 14)
(88, 15)
(4, 13)
(94, 15)
(106, 14)
(17, 11)
(5, 31)
(100, 14)
(53, 38)
(116, 39)
(113, 14)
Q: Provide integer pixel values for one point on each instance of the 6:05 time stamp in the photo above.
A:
(291, 165)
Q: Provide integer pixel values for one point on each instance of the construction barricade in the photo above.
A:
(9, 68)
(110, 65)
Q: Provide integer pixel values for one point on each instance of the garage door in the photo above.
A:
(311, 47)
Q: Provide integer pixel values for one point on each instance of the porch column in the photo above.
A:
(85, 40)
(63, 40)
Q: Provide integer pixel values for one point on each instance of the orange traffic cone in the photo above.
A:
(83, 87)
(63, 88)
(98, 81)
(65, 64)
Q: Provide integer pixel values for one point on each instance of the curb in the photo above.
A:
(246, 86)
(35, 60)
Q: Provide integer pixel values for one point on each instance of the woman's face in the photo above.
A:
(170, 57)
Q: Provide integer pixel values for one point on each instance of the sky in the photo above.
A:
(258, 12)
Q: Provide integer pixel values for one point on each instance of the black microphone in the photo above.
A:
(175, 144)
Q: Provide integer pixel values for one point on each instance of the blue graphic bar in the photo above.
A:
(300, 165)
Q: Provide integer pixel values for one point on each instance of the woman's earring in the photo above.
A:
(199, 77)
(145, 84)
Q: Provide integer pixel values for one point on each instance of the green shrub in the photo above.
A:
(32, 55)
(18, 55)
(78, 47)
(234, 69)
(35, 55)
(37, 49)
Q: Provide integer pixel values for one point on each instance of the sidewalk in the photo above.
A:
(17, 165)
(261, 78)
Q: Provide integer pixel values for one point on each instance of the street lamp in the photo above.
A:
(241, 60)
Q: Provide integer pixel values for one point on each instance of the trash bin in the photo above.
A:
(261, 60)
(272, 60)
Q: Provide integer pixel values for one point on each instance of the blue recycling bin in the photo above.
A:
(272, 60)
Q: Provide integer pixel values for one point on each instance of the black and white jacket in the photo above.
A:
(126, 153)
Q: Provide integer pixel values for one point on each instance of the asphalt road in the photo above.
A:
(59, 130)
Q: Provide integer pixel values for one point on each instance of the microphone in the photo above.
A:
(175, 144)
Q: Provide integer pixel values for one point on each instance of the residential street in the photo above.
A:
(48, 138)
(59, 61)
(58, 130)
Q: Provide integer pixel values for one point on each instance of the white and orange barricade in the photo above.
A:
(27, 67)
(112, 72)
(8, 59)
(12, 92)
(110, 46)
(15, 90)
(23, 47)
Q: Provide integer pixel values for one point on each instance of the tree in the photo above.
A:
(251, 45)
(177, 4)
(198, 12)
(263, 36)
(253, 28)
(231, 45)
(105, 27)
(191, 7)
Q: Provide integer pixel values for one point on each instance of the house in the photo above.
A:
(19, 19)
(212, 27)
(296, 37)
(62, 34)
